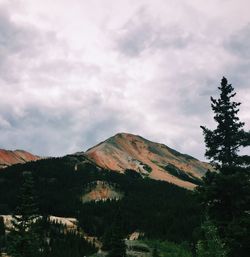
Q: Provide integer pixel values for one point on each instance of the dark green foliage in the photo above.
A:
(60, 242)
(113, 239)
(27, 203)
(117, 246)
(155, 252)
(238, 234)
(106, 242)
(173, 170)
(69, 244)
(2, 227)
(169, 249)
(226, 198)
(225, 194)
(2, 234)
(23, 240)
(132, 174)
(140, 248)
(147, 168)
(211, 244)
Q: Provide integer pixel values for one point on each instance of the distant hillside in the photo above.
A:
(157, 161)
(8, 158)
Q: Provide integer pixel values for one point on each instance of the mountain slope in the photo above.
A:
(8, 158)
(157, 161)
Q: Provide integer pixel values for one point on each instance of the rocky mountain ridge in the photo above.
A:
(8, 158)
(125, 151)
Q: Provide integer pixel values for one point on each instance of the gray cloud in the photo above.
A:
(142, 33)
(136, 35)
(239, 42)
(71, 77)
(19, 44)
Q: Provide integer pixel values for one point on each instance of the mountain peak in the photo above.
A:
(125, 151)
(124, 135)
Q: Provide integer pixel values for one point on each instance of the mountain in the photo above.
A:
(127, 152)
(8, 158)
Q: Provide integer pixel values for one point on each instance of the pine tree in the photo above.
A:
(223, 143)
(23, 239)
(226, 192)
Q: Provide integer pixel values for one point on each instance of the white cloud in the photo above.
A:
(73, 73)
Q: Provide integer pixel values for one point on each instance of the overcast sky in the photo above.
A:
(75, 72)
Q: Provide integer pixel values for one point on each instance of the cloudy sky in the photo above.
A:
(74, 72)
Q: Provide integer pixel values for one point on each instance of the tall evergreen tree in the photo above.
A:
(226, 193)
(223, 143)
(23, 239)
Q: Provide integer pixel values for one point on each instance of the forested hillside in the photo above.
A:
(158, 209)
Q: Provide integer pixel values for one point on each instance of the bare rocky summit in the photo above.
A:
(149, 159)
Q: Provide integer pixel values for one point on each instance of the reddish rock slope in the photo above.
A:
(8, 158)
(157, 161)
(101, 191)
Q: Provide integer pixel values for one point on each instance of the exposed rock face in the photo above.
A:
(8, 158)
(101, 191)
(157, 161)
